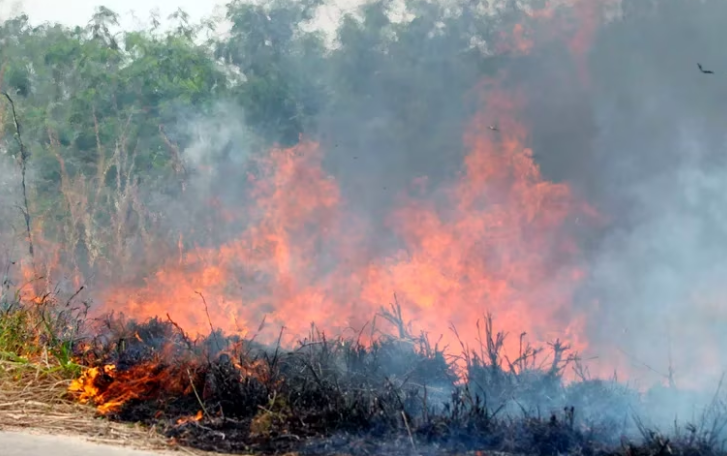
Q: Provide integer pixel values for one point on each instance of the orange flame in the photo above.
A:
(267, 268)
(500, 242)
(109, 389)
(497, 239)
(189, 419)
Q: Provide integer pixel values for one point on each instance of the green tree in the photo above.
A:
(95, 109)
(281, 66)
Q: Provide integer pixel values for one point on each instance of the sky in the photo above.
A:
(133, 12)
(78, 12)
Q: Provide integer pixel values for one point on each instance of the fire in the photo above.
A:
(109, 389)
(266, 270)
(576, 29)
(190, 419)
(498, 239)
(161, 377)
(499, 242)
(89, 385)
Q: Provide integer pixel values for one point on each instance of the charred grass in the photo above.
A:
(394, 395)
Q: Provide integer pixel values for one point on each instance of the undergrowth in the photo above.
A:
(400, 394)
(39, 331)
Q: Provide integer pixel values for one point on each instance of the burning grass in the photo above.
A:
(400, 395)
(396, 395)
(38, 337)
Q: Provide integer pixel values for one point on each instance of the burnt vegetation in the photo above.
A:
(396, 395)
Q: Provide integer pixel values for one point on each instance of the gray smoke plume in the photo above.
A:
(643, 143)
(657, 170)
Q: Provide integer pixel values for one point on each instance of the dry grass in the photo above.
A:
(35, 398)
(37, 364)
(37, 401)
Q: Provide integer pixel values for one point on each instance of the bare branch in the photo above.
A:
(23, 168)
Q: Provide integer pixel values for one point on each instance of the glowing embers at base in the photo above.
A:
(164, 379)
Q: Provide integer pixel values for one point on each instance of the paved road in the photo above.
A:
(21, 444)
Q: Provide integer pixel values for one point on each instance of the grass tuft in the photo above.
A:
(40, 332)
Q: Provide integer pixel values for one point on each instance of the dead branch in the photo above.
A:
(23, 169)
(177, 162)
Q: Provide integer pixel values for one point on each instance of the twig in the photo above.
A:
(209, 319)
(408, 430)
(68, 303)
(176, 157)
(196, 394)
(185, 338)
(635, 359)
(207, 311)
(23, 167)
(717, 391)
(672, 382)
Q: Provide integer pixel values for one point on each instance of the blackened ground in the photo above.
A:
(399, 396)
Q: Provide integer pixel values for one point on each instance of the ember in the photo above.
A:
(189, 419)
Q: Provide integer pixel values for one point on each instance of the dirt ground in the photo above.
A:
(36, 444)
